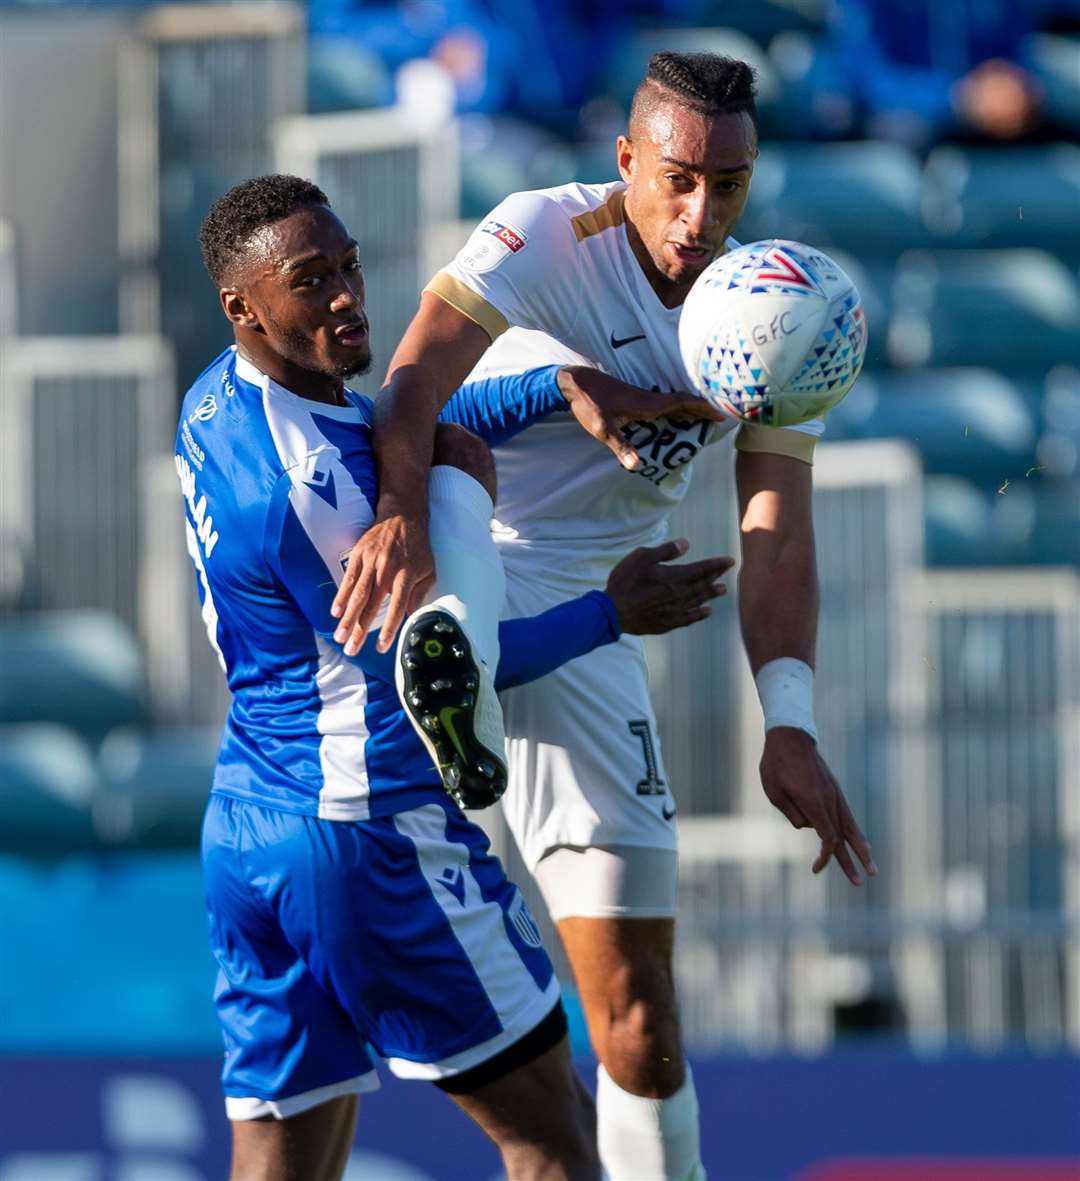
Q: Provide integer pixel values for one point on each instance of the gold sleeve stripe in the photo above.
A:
(468, 303)
(606, 217)
(776, 441)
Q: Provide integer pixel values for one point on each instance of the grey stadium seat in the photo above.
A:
(82, 669)
(155, 787)
(48, 780)
(860, 197)
(1013, 310)
(1024, 197)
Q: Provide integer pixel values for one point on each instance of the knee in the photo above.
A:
(457, 447)
(644, 1051)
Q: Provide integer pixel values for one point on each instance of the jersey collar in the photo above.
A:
(250, 373)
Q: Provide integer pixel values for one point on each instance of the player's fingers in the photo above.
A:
(823, 857)
(396, 611)
(608, 432)
(705, 569)
(697, 406)
(362, 594)
(348, 581)
(855, 837)
(685, 616)
(666, 551)
(843, 856)
(365, 610)
(418, 594)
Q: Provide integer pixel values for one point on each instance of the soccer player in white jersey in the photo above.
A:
(350, 902)
(596, 274)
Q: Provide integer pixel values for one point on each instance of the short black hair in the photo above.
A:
(234, 217)
(708, 83)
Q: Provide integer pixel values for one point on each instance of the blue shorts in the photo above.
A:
(402, 933)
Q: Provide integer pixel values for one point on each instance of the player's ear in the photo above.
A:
(237, 308)
(624, 154)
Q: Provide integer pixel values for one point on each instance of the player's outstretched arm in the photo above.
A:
(645, 595)
(778, 607)
(393, 557)
(603, 405)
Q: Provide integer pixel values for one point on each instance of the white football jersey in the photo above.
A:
(551, 277)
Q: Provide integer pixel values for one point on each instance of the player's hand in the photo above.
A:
(652, 598)
(797, 781)
(603, 405)
(392, 558)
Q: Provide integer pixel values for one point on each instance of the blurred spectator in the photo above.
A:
(505, 56)
(925, 70)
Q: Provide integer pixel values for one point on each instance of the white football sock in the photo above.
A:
(469, 578)
(648, 1139)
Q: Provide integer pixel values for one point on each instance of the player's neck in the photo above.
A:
(671, 295)
(318, 387)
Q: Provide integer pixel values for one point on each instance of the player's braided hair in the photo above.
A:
(704, 82)
(236, 215)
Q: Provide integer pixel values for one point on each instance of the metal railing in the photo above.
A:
(394, 183)
(81, 416)
(201, 88)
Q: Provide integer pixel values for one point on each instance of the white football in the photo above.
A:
(773, 333)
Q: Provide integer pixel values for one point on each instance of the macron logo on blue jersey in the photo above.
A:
(454, 880)
(322, 484)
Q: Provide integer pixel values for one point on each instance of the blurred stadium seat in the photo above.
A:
(49, 781)
(1013, 310)
(1006, 196)
(973, 422)
(1054, 60)
(155, 787)
(959, 524)
(81, 669)
(860, 197)
(628, 64)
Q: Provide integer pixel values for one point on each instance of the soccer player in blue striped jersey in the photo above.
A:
(351, 902)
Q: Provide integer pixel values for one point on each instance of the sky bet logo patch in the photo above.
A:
(490, 244)
(513, 240)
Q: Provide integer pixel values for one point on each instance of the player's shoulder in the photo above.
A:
(574, 206)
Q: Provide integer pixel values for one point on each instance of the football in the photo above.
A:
(773, 333)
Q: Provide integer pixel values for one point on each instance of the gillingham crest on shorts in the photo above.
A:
(773, 333)
(524, 923)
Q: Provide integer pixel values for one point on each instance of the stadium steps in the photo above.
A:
(81, 669)
(1013, 310)
(1005, 197)
(154, 787)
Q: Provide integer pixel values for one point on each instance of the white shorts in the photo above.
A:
(583, 754)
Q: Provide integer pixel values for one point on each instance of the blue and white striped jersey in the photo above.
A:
(277, 489)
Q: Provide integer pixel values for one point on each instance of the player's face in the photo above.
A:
(306, 290)
(688, 177)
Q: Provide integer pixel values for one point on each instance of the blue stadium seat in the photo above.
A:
(155, 787)
(1013, 310)
(765, 19)
(968, 422)
(48, 780)
(1023, 197)
(81, 669)
(860, 197)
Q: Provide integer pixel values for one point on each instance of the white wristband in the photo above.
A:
(786, 691)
